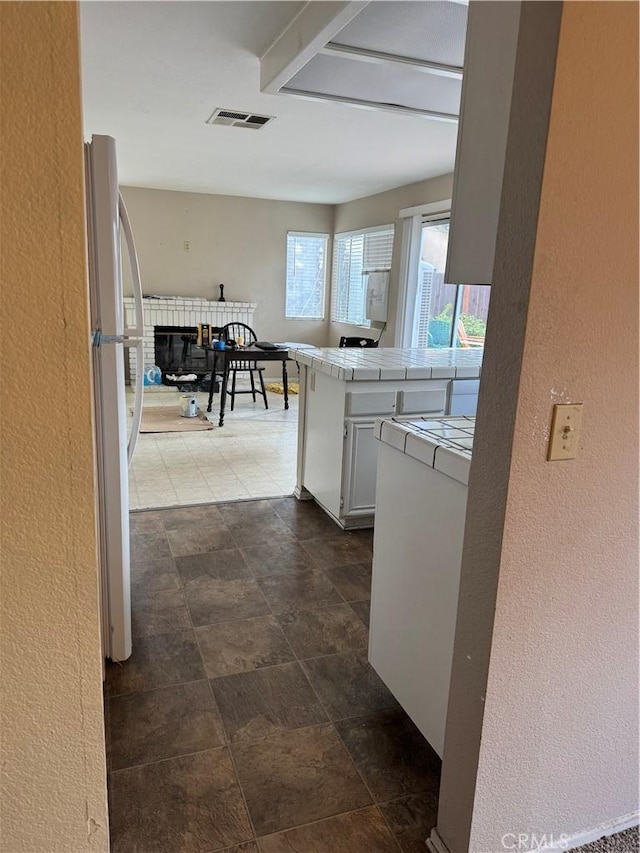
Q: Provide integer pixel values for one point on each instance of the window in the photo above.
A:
(445, 315)
(306, 275)
(355, 255)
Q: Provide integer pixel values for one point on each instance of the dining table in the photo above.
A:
(223, 359)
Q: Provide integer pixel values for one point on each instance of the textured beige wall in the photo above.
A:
(53, 795)
(559, 740)
(382, 209)
(240, 242)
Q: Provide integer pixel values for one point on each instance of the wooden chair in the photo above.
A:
(234, 332)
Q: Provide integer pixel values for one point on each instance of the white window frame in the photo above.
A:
(316, 235)
(358, 232)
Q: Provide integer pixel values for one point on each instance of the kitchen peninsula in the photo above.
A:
(343, 391)
(421, 502)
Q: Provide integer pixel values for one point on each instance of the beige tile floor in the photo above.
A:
(252, 456)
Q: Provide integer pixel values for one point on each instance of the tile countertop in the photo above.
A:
(371, 364)
(441, 443)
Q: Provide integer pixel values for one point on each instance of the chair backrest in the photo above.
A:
(233, 331)
(358, 342)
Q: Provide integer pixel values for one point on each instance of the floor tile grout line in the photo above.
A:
(323, 820)
(158, 687)
(167, 758)
(224, 733)
(275, 614)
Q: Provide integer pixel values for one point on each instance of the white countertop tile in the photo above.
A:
(393, 373)
(443, 372)
(376, 363)
(394, 435)
(420, 448)
(442, 443)
(454, 463)
(418, 372)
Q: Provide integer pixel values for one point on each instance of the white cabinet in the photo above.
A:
(337, 451)
(343, 392)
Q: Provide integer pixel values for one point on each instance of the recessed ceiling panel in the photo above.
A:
(393, 85)
(433, 31)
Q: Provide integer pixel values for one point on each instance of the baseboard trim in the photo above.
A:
(302, 494)
(610, 827)
(435, 844)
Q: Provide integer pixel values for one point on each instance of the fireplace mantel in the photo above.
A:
(188, 312)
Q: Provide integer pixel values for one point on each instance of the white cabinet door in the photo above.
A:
(361, 464)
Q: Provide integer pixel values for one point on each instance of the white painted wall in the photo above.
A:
(240, 242)
(382, 209)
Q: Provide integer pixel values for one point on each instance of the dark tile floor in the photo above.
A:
(248, 718)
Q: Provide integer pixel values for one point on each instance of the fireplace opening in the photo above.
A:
(177, 352)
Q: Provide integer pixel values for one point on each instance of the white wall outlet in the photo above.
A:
(186, 246)
(566, 427)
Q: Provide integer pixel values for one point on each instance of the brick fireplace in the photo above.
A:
(187, 313)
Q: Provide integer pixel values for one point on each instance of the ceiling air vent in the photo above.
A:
(234, 118)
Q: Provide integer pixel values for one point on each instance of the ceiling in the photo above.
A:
(154, 72)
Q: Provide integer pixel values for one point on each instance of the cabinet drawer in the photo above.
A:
(422, 401)
(465, 386)
(371, 402)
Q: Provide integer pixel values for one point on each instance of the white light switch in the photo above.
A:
(566, 426)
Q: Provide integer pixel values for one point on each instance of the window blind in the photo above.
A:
(306, 275)
(355, 255)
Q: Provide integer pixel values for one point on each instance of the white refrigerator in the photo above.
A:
(108, 233)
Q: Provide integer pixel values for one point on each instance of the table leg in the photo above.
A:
(285, 384)
(213, 381)
(223, 391)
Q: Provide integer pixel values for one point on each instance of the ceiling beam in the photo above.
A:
(315, 25)
(377, 57)
(369, 105)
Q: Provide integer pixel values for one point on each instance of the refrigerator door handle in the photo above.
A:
(98, 339)
(138, 329)
(134, 334)
(137, 402)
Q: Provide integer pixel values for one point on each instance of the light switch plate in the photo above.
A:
(566, 427)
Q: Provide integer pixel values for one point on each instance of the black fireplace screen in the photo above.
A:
(177, 351)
